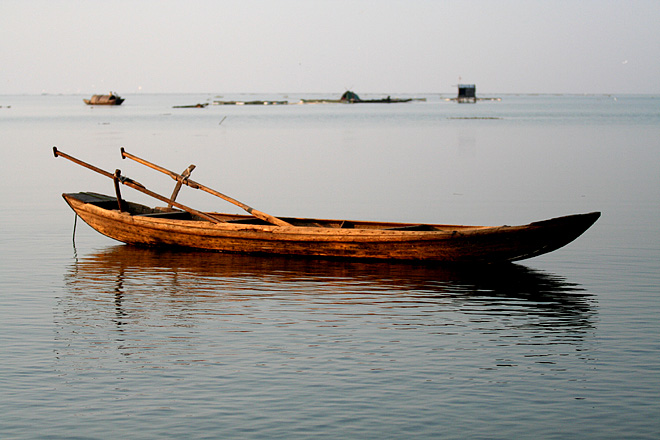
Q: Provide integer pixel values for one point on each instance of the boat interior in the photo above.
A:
(136, 209)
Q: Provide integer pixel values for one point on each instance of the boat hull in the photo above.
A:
(104, 100)
(326, 238)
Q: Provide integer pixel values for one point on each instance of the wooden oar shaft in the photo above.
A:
(58, 153)
(136, 186)
(191, 183)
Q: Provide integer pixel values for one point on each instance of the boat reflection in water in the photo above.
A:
(148, 284)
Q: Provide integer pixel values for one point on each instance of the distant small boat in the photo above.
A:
(110, 99)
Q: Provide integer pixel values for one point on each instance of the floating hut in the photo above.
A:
(467, 93)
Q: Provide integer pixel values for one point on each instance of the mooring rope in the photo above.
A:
(75, 222)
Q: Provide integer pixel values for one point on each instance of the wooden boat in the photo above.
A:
(261, 233)
(110, 99)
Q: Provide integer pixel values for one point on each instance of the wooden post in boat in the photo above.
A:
(191, 183)
(120, 203)
(137, 186)
(184, 175)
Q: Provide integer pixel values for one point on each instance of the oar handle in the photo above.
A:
(191, 183)
(58, 153)
(135, 185)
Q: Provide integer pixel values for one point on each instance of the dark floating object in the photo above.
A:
(350, 97)
(257, 102)
(191, 105)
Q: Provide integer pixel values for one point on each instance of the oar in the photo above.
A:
(135, 185)
(191, 183)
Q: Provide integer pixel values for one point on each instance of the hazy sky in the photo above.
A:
(383, 46)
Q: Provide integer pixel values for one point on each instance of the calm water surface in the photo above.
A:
(103, 340)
